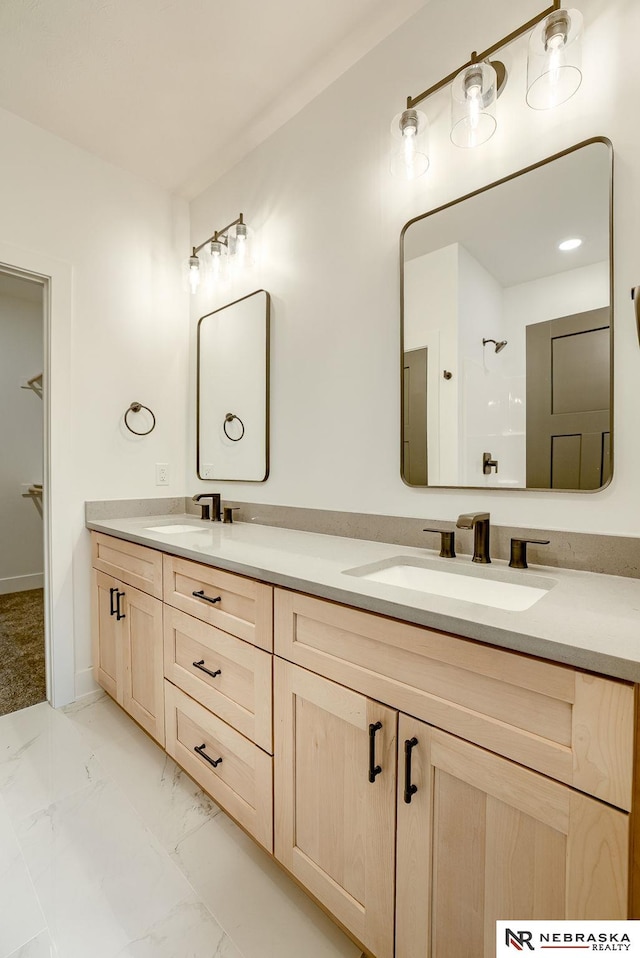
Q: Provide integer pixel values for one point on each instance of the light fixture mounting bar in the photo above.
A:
(215, 237)
(479, 57)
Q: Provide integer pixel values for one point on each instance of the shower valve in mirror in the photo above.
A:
(488, 464)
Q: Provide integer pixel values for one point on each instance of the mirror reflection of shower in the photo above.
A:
(499, 344)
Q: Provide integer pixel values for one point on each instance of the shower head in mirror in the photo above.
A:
(499, 345)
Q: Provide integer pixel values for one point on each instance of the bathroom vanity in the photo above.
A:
(398, 752)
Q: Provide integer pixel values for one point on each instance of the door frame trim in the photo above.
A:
(55, 276)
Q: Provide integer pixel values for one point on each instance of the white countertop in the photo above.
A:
(588, 620)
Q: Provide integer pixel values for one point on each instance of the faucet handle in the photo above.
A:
(518, 559)
(227, 513)
(204, 506)
(447, 542)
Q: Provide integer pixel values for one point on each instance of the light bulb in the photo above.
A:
(474, 95)
(216, 259)
(555, 49)
(241, 244)
(194, 273)
(409, 157)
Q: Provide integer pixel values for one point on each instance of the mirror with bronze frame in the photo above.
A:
(506, 336)
(233, 391)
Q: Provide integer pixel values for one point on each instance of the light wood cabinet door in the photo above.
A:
(484, 839)
(334, 828)
(107, 645)
(143, 678)
(128, 650)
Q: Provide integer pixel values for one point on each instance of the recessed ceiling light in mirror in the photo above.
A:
(569, 244)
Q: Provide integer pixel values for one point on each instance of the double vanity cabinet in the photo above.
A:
(418, 785)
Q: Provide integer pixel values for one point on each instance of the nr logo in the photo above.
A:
(518, 939)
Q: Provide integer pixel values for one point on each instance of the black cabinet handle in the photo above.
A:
(409, 789)
(112, 593)
(200, 665)
(200, 749)
(206, 598)
(373, 768)
(119, 613)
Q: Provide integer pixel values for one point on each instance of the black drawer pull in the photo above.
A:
(119, 613)
(373, 768)
(200, 665)
(112, 593)
(206, 598)
(409, 789)
(200, 750)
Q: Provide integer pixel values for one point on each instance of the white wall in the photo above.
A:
(575, 291)
(21, 442)
(120, 334)
(433, 279)
(484, 407)
(329, 216)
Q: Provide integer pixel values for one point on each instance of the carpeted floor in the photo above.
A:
(22, 669)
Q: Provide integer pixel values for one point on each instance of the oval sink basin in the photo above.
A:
(497, 589)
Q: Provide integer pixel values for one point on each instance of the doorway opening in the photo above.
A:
(23, 655)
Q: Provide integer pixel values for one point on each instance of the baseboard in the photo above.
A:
(22, 583)
(85, 684)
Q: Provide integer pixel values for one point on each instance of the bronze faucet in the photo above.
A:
(216, 501)
(479, 522)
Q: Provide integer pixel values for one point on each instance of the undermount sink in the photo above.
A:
(496, 588)
(172, 529)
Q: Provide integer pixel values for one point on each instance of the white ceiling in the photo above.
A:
(514, 229)
(179, 90)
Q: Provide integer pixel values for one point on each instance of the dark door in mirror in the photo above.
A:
(568, 402)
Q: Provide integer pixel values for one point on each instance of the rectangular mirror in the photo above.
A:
(233, 391)
(506, 331)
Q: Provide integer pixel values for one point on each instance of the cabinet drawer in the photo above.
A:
(133, 564)
(240, 694)
(242, 783)
(572, 726)
(244, 607)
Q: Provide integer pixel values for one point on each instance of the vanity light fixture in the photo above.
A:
(553, 76)
(569, 244)
(222, 246)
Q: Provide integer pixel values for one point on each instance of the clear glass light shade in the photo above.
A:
(409, 144)
(191, 274)
(473, 105)
(554, 65)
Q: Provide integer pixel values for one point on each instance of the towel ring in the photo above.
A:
(136, 407)
(229, 418)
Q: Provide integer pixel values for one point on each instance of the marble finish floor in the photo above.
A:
(108, 850)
